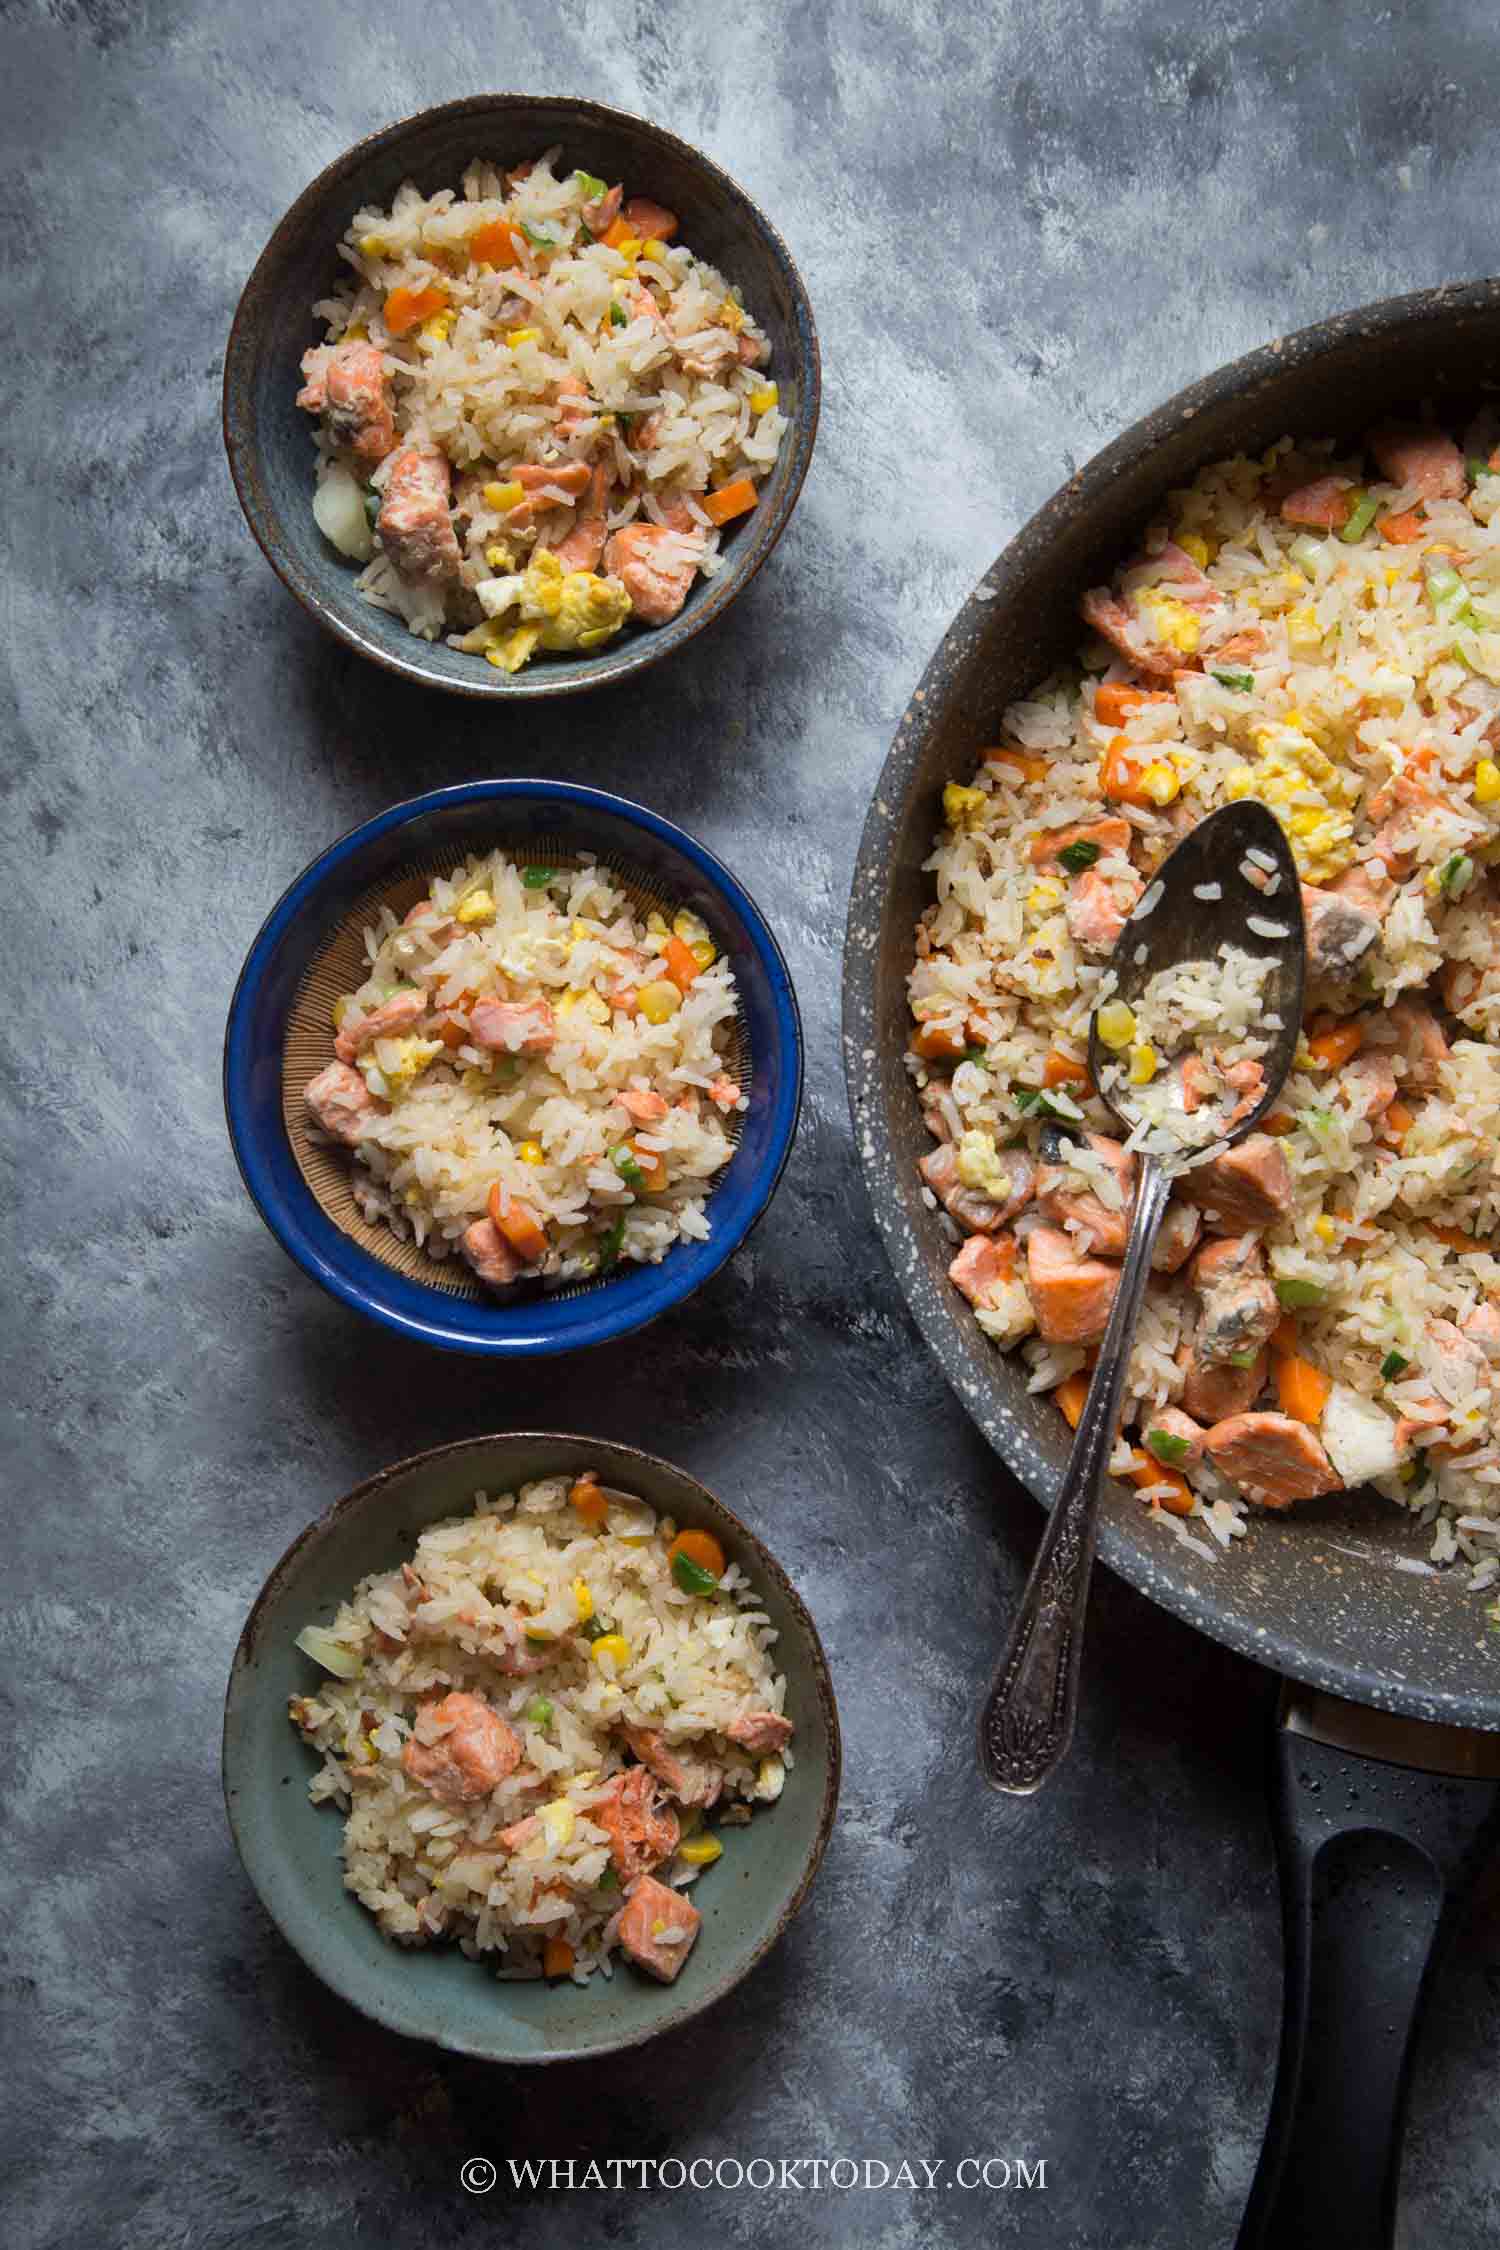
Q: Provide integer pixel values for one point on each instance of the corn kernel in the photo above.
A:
(705, 953)
(1160, 783)
(1116, 1025)
(1391, 577)
(1194, 548)
(611, 1648)
(1487, 782)
(688, 927)
(655, 248)
(656, 925)
(1293, 581)
(583, 1600)
(659, 1001)
(962, 807)
(530, 1152)
(559, 1820)
(763, 398)
(503, 496)
(1302, 635)
(355, 333)
(341, 1008)
(770, 1780)
(1044, 895)
(1325, 1230)
(700, 1851)
(476, 910)
(373, 246)
(731, 316)
(630, 247)
(523, 336)
(436, 330)
(1142, 1065)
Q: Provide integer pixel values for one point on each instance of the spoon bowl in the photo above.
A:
(1231, 880)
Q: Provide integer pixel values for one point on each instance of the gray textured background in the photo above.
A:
(1020, 226)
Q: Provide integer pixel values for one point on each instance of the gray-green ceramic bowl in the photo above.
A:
(290, 1847)
(268, 438)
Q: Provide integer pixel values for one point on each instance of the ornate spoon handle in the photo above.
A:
(1027, 1721)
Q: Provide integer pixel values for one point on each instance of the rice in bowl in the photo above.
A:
(537, 1073)
(544, 1727)
(536, 411)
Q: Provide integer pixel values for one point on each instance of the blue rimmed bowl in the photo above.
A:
(267, 437)
(303, 1196)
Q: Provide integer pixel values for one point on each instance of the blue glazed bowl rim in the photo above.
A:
(687, 1267)
(709, 600)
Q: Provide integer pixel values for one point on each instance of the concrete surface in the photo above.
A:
(1020, 226)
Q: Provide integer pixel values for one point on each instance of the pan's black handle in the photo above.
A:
(1375, 1857)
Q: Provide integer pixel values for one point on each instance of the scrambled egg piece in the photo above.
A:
(1308, 791)
(979, 1166)
(963, 808)
(400, 1062)
(1168, 620)
(559, 609)
(476, 910)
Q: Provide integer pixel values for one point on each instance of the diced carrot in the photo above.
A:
(1286, 1335)
(700, 1547)
(1020, 762)
(1302, 1388)
(1120, 775)
(1114, 701)
(615, 233)
(1145, 1471)
(1070, 1395)
(937, 1042)
(1280, 1121)
(1397, 1122)
(1403, 531)
(557, 1958)
(588, 1501)
(453, 1033)
(519, 1227)
(405, 308)
(495, 244)
(734, 499)
(1454, 1238)
(648, 221)
(1061, 1070)
(682, 968)
(1334, 1047)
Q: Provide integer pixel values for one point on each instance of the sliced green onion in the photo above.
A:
(1166, 1447)
(317, 1642)
(1306, 552)
(1359, 518)
(1297, 1295)
(1315, 1120)
(1243, 1360)
(608, 1881)
(618, 315)
(592, 188)
(539, 1710)
(623, 1160)
(542, 241)
(1051, 1103)
(594, 1629)
(537, 878)
(1477, 468)
(692, 1577)
(613, 1243)
(1078, 855)
(1457, 875)
(1241, 682)
(1392, 1366)
(974, 1054)
(1443, 584)
(372, 508)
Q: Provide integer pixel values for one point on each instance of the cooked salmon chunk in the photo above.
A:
(649, 562)
(1425, 458)
(1421, 1043)
(1174, 1425)
(415, 524)
(970, 1206)
(642, 1832)
(1178, 1238)
(760, 1732)
(983, 1268)
(347, 384)
(1339, 932)
(1098, 908)
(341, 1102)
(1213, 1389)
(461, 1749)
(514, 1027)
(490, 1255)
(1249, 1186)
(658, 1928)
(1106, 836)
(1109, 1225)
(1239, 1308)
(1105, 614)
(400, 1013)
(689, 1780)
(1322, 505)
(1071, 1296)
(1271, 1458)
(584, 544)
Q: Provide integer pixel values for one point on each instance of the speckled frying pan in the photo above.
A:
(1332, 1595)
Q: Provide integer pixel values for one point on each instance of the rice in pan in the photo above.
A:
(1321, 633)
(544, 1727)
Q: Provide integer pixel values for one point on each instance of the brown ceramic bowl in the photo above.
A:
(268, 439)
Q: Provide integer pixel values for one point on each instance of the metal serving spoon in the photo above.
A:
(1027, 1721)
